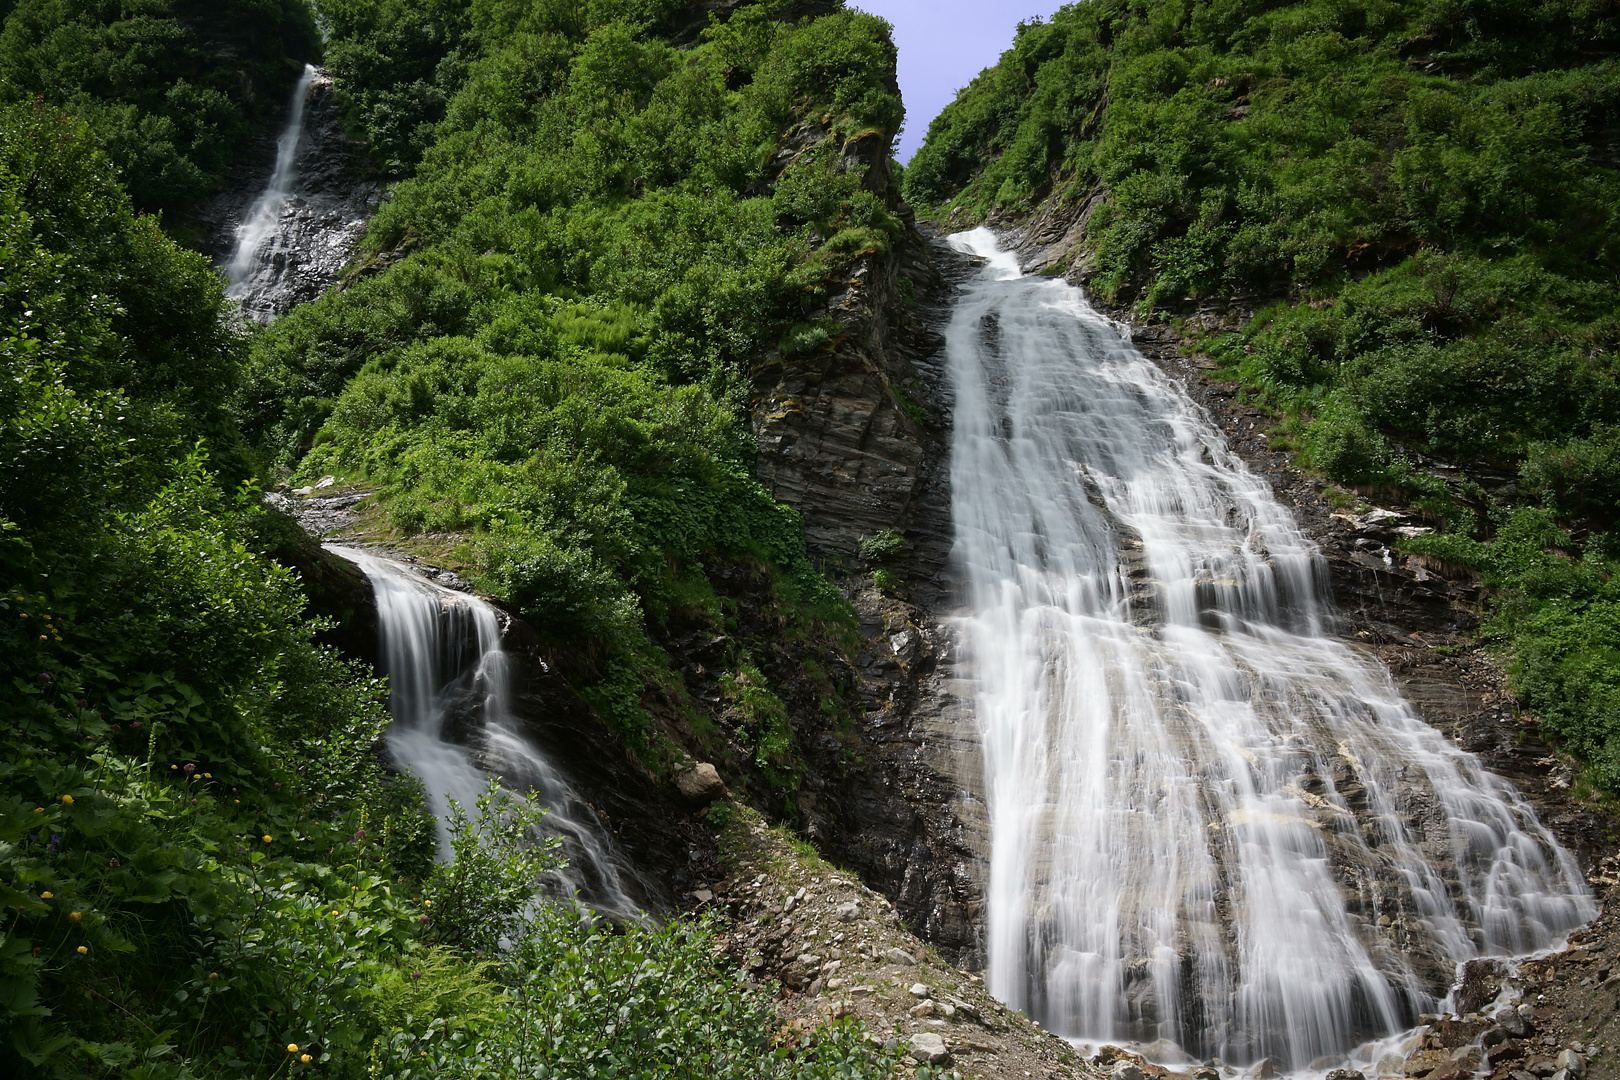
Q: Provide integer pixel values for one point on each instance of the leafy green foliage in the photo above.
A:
(397, 63)
(483, 894)
(597, 244)
(205, 869)
(1558, 616)
(151, 80)
(764, 717)
(882, 545)
(645, 1001)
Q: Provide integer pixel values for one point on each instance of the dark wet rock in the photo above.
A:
(331, 201)
(335, 586)
(1513, 1023)
(1449, 1034)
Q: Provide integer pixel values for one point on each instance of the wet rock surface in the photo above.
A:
(321, 222)
(1418, 620)
(1557, 1016)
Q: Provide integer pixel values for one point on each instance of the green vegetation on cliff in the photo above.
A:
(1422, 199)
(204, 869)
(547, 347)
(171, 89)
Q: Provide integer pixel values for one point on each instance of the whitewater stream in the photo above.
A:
(446, 669)
(1212, 821)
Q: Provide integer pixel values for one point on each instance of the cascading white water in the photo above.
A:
(1211, 822)
(442, 649)
(263, 217)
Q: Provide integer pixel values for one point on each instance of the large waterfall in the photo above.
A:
(1211, 821)
(442, 652)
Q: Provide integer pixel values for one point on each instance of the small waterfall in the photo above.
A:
(1211, 822)
(442, 652)
(288, 242)
(264, 216)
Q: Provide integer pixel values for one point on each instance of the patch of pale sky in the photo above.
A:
(945, 43)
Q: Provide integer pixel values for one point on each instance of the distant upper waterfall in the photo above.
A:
(1211, 822)
(260, 223)
(442, 652)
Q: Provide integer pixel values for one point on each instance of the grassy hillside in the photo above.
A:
(1422, 200)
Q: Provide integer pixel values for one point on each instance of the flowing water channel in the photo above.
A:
(1212, 821)
(245, 272)
(447, 672)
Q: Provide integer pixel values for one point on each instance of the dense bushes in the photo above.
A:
(598, 242)
(151, 80)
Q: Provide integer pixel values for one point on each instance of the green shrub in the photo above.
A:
(484, 894)
(885, 544)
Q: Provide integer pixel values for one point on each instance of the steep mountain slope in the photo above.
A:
(1393, 224)
(207, 869)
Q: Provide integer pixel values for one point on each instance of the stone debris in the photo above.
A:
(929, 1048)
(790, 935)
(700, 784)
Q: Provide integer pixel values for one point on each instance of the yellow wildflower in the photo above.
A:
(292, 1048)
(267, 838)
(76, 916)
(67, 800)
(306, 1059)
(46, 895)
(83, 951)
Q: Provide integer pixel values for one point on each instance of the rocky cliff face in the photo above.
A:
(320, 223)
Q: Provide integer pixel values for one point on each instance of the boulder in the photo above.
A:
(1424, 1062)
(929, 1049)
(1570, 1062)
(701, 784)
(1513, 1022)
(849, 912)
(1126, 1070)
(899, 956)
